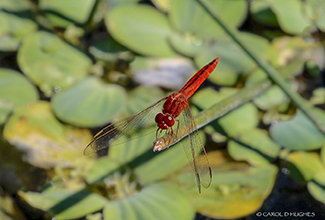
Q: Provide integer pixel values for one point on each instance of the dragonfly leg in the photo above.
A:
(177, 127)
(171, 135)
(158, 135)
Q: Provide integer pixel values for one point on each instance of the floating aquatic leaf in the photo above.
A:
(11, 96)
(66, 204)
(59, 12)
(233, 123)
(299, 133)
(153, 202)
(307, 164)
(253, 146)
(89, 103)
(144, 29)
(316, 187)
(197, 21)
(290, 15)
(50, 62)
(14, 29)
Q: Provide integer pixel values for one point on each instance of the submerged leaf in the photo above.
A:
(234, 184)
(47, 142)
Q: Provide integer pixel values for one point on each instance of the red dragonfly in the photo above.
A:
(169, 113)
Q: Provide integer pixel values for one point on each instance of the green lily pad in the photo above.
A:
(233, 60)
(318, 97)
(91, 102)
(61, 13)
(15, 5)
(187, 44)
(290, 15)
(234, 184)
(133, 150)
(109, 50)
(162, 164)
(316, 187)
(253, 146)
(307, 163)
(14, 29)
(153, 202)
(271, 98)
(299, 133)
(95, 216)
(317, 10)
(233, 123)
(50, 62)
(101, 169)
(189, 16)
(163, 5)
(65, 204)
(142, 97)
(12, 97)
(274, 115)
(115, 3)
(46, 141)
(140, 28)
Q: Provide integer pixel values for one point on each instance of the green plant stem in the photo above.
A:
(268, 69)
(231, 103)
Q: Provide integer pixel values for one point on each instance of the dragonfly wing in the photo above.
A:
(193, 147)
(113, 134)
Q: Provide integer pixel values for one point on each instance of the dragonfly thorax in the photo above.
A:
(174, 104)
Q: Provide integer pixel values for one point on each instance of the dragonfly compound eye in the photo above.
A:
(163, 126)
(169, 120)
(159, 118)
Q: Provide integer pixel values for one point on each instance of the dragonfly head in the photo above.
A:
(164, 142)
(164, 121)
